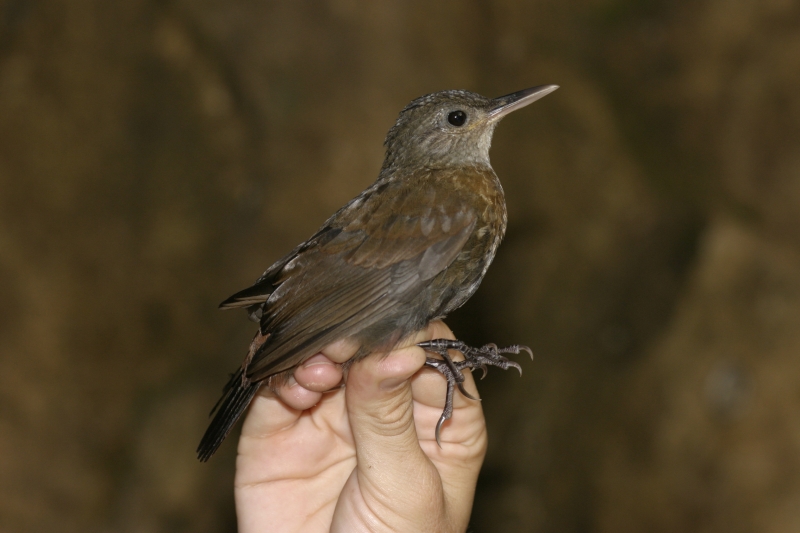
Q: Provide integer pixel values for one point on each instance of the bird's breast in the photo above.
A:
(484, 194)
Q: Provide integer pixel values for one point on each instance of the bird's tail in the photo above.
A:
(235, 398)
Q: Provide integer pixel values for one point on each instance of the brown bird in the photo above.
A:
(410, 249)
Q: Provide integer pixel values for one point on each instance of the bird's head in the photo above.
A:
(451, 128)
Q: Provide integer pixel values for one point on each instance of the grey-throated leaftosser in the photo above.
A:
(411, 248)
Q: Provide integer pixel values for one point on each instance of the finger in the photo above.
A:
(466, 426)
(318, 374)
(268, 414)
(463, 437)
(277, 406)
(341, 350)
(295, 396)
(378, 390)
(388, 456)
(279, 442)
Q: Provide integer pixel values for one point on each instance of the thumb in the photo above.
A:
(381, 413)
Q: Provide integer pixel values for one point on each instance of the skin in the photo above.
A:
(361, 458)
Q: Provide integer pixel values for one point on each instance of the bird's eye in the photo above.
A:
(457, 118)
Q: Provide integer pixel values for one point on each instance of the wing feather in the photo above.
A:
(369, 261)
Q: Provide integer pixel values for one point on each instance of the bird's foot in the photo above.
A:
(489, 355)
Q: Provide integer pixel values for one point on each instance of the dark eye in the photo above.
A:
(457, 118)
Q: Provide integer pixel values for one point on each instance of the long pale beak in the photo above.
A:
(503, 105)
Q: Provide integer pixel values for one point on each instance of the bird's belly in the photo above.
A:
(444, 293)
(447, 291)
(463, 277)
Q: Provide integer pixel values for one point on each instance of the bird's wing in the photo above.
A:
(259, 292)
(382, 252)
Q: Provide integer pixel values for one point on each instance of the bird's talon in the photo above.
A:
(465, 393)
(439, 424)
(488, 355)
(526, 349)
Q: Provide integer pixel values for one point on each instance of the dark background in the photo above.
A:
(156, 156)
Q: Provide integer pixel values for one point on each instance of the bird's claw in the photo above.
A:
(530, 352)
(465, 393)
(488, 355)
(439, 424)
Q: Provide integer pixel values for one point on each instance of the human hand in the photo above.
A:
(362, 458)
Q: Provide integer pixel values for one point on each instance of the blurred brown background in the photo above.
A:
(157, 155)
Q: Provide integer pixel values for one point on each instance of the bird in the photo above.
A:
(410, 249)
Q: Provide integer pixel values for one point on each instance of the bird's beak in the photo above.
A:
(503, 105)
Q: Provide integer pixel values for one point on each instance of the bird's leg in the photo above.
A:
(446, 370)
(441, 347)
(489, 355)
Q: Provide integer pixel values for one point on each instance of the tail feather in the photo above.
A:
(235, 398)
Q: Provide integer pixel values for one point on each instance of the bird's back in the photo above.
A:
(408, 249)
